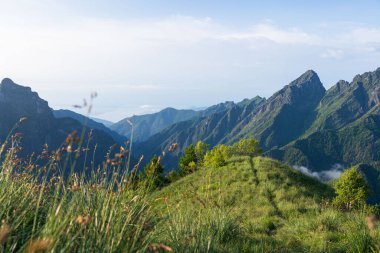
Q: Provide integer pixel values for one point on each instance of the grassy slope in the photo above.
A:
(254, 205)
(248, 205)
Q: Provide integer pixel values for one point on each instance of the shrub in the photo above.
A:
(247, 147)
(217, 156)
(201, 149)
(186, 159)
(351, 190)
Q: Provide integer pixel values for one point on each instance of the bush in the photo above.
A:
(351, 190)
(201, 149)
(217, 156)
(188, 158)
(247, 147)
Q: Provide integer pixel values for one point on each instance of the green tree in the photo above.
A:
(217, 156)
(189, 158)
(201, 149)
(351, 190)
(154, 172)
(248, 147)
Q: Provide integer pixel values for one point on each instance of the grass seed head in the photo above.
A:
(83, 220)
(159, 248)
(21, 120)
(38, 246)
(371, 222)
(4, 233)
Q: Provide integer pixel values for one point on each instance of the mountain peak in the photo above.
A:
(305, 86)
(307, 77)
(7, 85)
(22, 98)
(7, 81)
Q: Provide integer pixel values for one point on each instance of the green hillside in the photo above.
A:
(355, 143)
(255, 205)
(248, 205)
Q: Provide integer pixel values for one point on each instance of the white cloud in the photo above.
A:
(364, 35)
(146, 106)
(275, 34)
(324, 175)
(332, 53)
(168, 61)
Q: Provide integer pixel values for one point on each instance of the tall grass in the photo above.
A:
(45, 205)
(248, 205)
(73, 213)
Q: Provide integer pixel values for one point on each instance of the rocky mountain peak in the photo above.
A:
(309, 76)
(22, 99)
(7, 82)
(305, 89)
(342, 85)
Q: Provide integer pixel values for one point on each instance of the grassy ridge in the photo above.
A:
(249, 205)
(256, 205)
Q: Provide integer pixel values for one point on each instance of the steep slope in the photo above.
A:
(274, 122)
(89, 123)
(212, 129)
(346, 129)
(40, 126)
(256, 205)
(145, 126)
(345, 102)
(107, 123)
(285, 115)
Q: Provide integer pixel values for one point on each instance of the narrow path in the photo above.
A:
(254, 170)
(270, 196)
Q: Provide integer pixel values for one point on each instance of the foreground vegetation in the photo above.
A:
(258, 205)
(219, 203)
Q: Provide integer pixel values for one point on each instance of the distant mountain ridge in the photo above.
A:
(346, 129)
(107, 123)
(40, 127)
(302, 124)
(149, 124)
(89, 122)
(212, 129)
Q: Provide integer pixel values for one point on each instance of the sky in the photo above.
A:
(142, 56)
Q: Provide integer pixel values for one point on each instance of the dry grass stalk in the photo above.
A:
(4, 233)
(83, 220)
(38, 246)
(159, 248)
(371, 222)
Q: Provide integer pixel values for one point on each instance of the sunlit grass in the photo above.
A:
(249, 205)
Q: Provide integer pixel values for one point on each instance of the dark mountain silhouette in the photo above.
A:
(39, 126)
(89, 122)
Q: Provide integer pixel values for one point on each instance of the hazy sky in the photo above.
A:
(141, 56)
